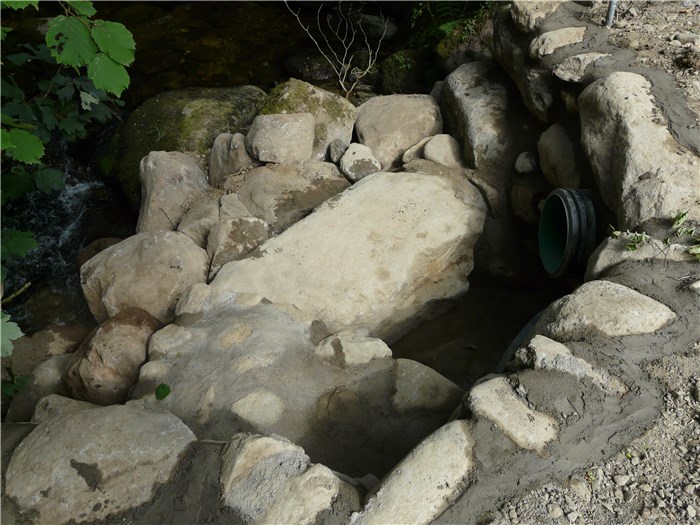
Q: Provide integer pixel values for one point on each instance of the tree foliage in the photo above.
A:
(81, 71)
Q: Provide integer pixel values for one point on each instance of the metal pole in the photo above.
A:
(611, 13)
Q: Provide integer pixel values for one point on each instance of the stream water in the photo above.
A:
(184, 44)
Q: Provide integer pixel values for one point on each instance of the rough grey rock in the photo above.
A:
(534, 82)
(544, 353)
(358, 162)
(573, 68)
(55, 405)
(496, 401)
(107, 364)
(282, 194)
(147, 270)
(602, 308)
(270, 480)
(186, 120)
(612, 252)
(415, 151)
(45, 379)
(88, 465)
(281, 138)
(200, 218)
(526, 194)
(228, 156)
(547, 43)
(423, 485)
(561, 158)
(391, 124)
(400, 240)
(528, 15)
(444, 150)
(232, 239)
(334, 116)
(260, 343)
(170, 182)
(336, 150)
(526, 162)
(619, 120)
(347, 349)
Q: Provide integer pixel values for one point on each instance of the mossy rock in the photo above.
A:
(186, 120)
(334, 115)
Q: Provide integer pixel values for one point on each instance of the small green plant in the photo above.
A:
(15, 384)
(635, 239)
(162, 391)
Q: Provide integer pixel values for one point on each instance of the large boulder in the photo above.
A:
(620, 121)
(148, 271)
(281, 137)
(334, 116)
(391, 124)
(186, 120)
(241, 364)
(107, 364)
(89, 465)
(170, 183)
(281, 194)
(374, 257)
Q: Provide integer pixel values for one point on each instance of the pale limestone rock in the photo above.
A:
(281, 138)
(526, 162)
(227, 157)
(573, 68)
(444, 150)
(334, 116)
(85, 466)
(358, 162)
(496, 401)
(612, 252)
(371, 258)
(107, 364)
(346, 349)
(147, 270)
(282, 194)
(55, 405)
(45, 379)
(619, 120)
(424, 484)
(171, 182)
(560, 158)
(391, 124)
(415, 151)
(419, 387)
(542, 353)
(232, 239)
(199, 219)
(528, 15)
(255, 471)
(548, 43)
(602, 308)
(261, 408)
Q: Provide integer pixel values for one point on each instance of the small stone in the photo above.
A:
(645, 487)
(526, 162)
(691, 511)
(573, 516)
(634, 460)
(689, 489)
(554, 511)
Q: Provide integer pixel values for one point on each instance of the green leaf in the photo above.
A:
(5, 141)
(49, 179)
(66, 93)
(83, 8)
(9, 90)
(162, 391)
(20, 4)
(28, 147)
(19, 58)
(114, 40)
(87, 100)
(4, 32)
(680, 219)
(48, 117)
(16, 183)
(9, 331)
(16, 244)
(70, 41)
(106, 74)
(72, 125)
